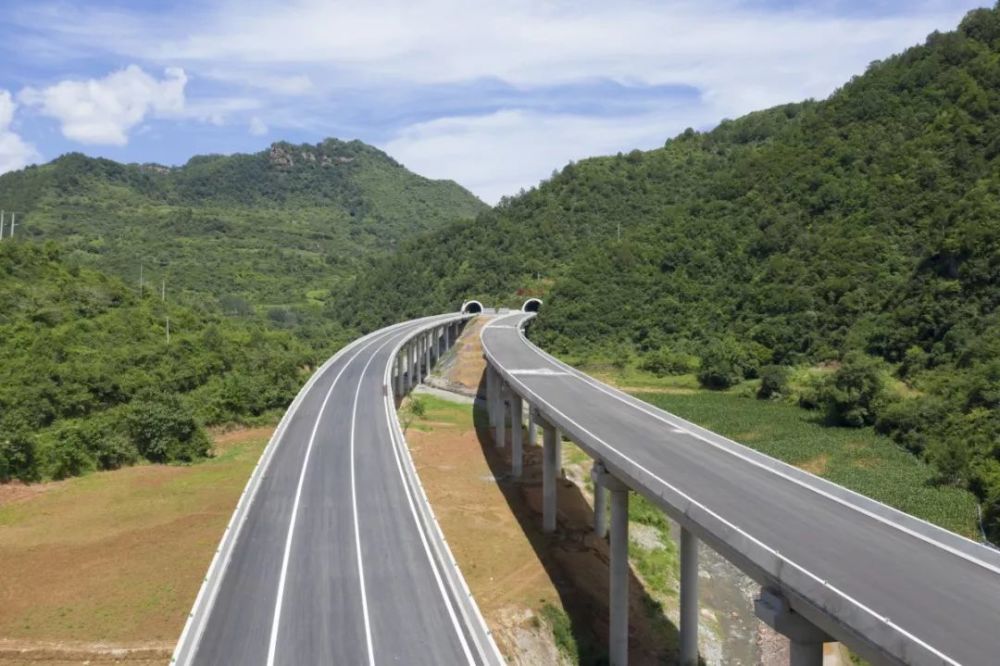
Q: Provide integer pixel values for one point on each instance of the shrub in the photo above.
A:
(67, 454)
(853, 394)
(725, 363)
(663, 362)
(18, 456)
(163, 430)
(773, 382)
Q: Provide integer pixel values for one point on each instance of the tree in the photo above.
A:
(725, 363)
(773, 382)
(853, 394)
(163, 430)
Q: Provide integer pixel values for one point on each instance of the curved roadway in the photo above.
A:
(868, 574)
(331, 562)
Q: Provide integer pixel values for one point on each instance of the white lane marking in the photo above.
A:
(433, 529)
(735, 528)
(539, 372)
(209, 590)
(354, 506)
(729, 448)
(423, 540)
(276, 622)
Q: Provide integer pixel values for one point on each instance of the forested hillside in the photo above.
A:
(275, 228)
(90, 379)
(861, 232)
(234, 254)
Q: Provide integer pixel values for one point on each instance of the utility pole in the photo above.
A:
(1, 224)
(13, 216)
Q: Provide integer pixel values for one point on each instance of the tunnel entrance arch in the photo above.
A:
(532, 305)
(472, 307)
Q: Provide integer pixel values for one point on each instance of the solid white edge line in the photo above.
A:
(447, 558)
(276, 617)
(725, 522)
(190, 637)
(423, 537)
(728, 448)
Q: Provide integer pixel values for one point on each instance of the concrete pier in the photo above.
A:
(559, 452)
(501, 425)
(548, 477)
(600, 500)
(490, 400)
(806, 639)
(619, 572)
(516, 432)
(532, 433)
(689, 599)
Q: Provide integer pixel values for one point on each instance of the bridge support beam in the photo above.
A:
(618, 569)
(548, 476)
(501, 427)
(689, 599)
(491, 406)
(408, 367)
(516, 444)
(806, 639)
(414, 370)
(597, 473)
(558, 453)
(399, 374)
(532, 431)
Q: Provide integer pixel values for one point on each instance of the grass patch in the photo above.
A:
(856, 458)
(117, 556)
(562, 631)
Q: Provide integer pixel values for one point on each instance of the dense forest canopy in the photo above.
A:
(862, 231)
(90, 378)
(279, 227)
(235, 254)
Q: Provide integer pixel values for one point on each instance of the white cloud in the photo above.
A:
(15, 153)
(497, 154)
(738, 56)
(257, 126)
(102, 111)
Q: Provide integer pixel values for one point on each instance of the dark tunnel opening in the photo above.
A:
(532, 305)
(472, 307)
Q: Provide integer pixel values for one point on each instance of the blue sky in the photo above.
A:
(493, 95)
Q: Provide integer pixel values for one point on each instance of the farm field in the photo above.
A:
(110, 563)
(856, 458)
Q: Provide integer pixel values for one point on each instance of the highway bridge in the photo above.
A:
(833, 565)
(333, 555)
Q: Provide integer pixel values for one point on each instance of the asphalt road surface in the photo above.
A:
(876, 569)
(331, 565)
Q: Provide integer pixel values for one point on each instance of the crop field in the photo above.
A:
(856, 458)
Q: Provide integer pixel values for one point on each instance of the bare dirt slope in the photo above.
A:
(104, 568)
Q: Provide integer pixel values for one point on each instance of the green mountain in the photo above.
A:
(93, 376)
(862, 231)
(274, 228)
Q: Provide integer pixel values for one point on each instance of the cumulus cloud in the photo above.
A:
(102, 111)
(496, 154)
(15, 153)
(340, 58)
